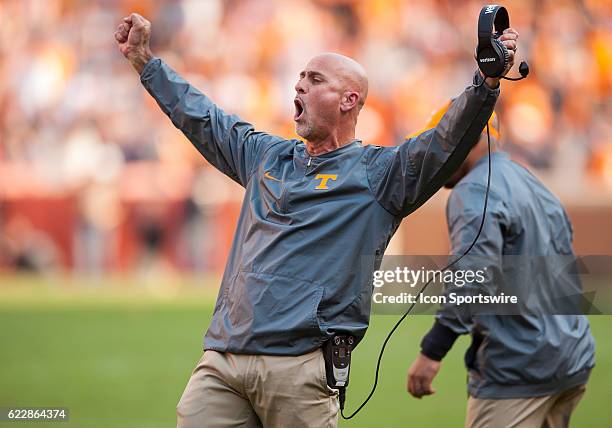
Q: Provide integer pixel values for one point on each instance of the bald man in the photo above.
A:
(317, 216)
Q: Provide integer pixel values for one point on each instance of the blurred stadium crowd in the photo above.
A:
(93, 177)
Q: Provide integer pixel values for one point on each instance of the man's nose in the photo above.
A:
(299, 87)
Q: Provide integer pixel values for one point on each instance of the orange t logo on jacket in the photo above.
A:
(324, 177)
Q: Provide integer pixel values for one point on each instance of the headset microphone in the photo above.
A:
(523, 70)
(493, 60)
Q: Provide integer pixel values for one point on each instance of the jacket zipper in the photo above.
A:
(283, 199)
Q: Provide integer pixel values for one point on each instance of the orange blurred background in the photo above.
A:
(94, 178)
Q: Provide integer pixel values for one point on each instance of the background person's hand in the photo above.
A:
(133, 36)
(420, 376)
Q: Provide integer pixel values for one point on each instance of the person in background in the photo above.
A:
(525, 370)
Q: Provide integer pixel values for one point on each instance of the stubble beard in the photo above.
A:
(309, 130)
(305, 130)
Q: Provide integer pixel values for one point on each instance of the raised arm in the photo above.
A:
(402, 178)
(227, 142)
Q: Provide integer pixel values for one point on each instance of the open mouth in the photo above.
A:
(299, 109)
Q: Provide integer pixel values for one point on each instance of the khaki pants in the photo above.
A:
(231, 390)
(552, 411)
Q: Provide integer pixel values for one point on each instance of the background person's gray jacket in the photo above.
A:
(310, 228)
(525, 244)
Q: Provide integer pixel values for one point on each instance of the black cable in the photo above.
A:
(514, 79)
(483, 78)
(342, 392)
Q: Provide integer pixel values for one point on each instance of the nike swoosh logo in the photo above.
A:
(267, 175)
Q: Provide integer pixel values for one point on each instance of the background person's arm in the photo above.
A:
(227, 142)
(464, 216)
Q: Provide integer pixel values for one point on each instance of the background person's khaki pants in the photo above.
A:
(231, 390)
(551, 411)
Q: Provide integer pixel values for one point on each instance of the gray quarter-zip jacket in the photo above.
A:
(525, 243)
(312, 228)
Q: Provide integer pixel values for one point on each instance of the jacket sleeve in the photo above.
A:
(228, 143)
(464, 216)
(403, 178)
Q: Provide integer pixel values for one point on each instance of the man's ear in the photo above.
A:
(349, 101)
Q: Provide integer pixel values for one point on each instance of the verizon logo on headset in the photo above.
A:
(487, 59)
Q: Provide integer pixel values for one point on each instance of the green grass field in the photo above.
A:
(119, 355)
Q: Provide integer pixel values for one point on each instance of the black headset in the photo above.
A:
(491, 55)
(495, 56)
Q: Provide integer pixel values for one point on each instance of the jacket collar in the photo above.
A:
(494, 155)
(353, 144)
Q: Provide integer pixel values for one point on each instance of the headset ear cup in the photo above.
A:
(504, 56)
(490, 60)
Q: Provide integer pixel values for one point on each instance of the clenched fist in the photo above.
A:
(133, 36)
